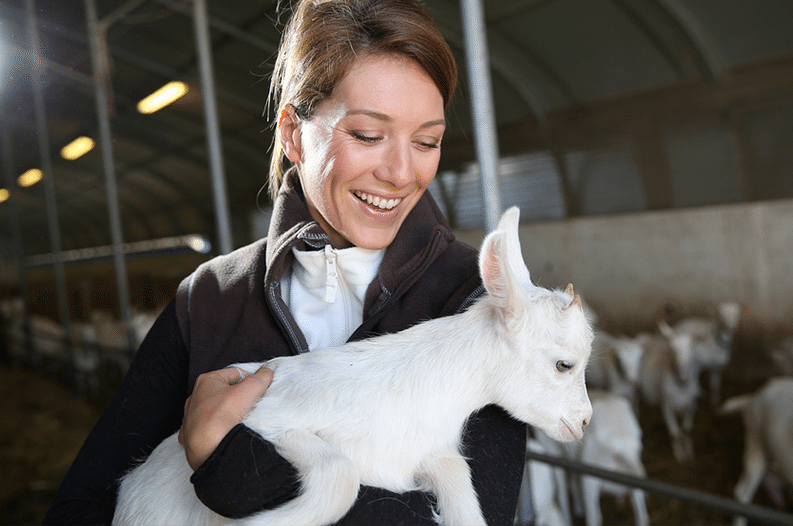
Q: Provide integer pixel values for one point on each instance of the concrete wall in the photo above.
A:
(633, 269)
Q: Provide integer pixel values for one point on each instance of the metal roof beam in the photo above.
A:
(711, 63)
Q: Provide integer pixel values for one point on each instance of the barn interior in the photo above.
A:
(648, 143)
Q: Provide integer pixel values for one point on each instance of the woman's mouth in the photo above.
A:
(381, 203)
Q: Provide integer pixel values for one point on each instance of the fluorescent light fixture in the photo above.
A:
(77, 148)
(4, 195)
(167, 245)
(162, 97)
(31, 177)
(198, 243)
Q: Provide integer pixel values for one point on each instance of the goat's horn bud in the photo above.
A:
(569, 289)
(577, 301)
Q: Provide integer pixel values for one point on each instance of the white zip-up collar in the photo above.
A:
(325, 292)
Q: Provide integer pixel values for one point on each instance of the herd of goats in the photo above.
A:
(663, 369)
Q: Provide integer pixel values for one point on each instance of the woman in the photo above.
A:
(356, 247)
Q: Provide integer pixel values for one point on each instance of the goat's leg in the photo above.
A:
(575, 492)
(330, 483)
(675, 433)
(525, 514)
(640, 514)
(754, 467)
(591, 492)
(449, 477)
(688, 428)
(562, 494)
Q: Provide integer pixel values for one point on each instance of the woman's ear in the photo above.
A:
(289, 132)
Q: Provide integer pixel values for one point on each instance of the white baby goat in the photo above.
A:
(389, 411)
(670, 383)
(712, 343)
(614, 442)
(615, 365)
(768, 429)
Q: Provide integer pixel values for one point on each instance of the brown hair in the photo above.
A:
(324, 37)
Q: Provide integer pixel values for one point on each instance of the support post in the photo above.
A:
(101, 81)
(49, 184)
(482, 109)
(16, 231)
(203, 45)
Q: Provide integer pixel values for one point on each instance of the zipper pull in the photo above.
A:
(331, 276)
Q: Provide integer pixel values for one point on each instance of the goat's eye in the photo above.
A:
(563, 366)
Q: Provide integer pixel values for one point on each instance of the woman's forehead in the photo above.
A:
(387, 88)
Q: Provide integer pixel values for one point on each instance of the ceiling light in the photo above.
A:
(31, 177)
(162, 97)
(4, 195)
(77, 148)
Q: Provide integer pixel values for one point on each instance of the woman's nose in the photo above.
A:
(397, 168)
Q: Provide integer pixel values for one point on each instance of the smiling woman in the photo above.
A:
(369, 152)
(356, 248)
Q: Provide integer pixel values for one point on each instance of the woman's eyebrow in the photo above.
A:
(387, 118)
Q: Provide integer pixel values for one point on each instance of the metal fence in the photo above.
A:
(760, 514)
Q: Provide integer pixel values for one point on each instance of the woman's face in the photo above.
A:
(370, 150)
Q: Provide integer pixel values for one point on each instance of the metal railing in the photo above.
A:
(761, 514)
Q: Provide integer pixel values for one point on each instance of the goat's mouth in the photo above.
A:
(575, 433)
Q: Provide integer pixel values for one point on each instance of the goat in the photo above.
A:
(615, 365)
(543, 492)
(613, 442)
(671, 385)
(768, 430)
(712, 343)
(389, 411)
(782, 356)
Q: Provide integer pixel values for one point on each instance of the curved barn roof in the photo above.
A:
(613, 98)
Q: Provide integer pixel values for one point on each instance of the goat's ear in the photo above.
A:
(665, 329)
(504, 274)
(510, 225)
(495, 272)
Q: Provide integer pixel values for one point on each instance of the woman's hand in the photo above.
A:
(220, 400)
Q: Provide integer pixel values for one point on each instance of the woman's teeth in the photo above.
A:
(381, 203)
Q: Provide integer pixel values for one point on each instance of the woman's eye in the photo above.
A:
(365, 138)
(429, 145)
(563, 366)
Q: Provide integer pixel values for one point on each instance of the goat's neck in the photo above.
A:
(468, 346)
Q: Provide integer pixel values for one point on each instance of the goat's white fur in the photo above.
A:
(672, 386)
(711, 342)
(543, 492)
(613, 443)
(615, 365)
(390, 411)
(768, 429)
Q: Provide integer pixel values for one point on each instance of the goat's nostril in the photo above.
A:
(586, 422)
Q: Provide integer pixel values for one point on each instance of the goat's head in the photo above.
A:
(629, 353)
(682, 343)
(729, 315)
(546, 335)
